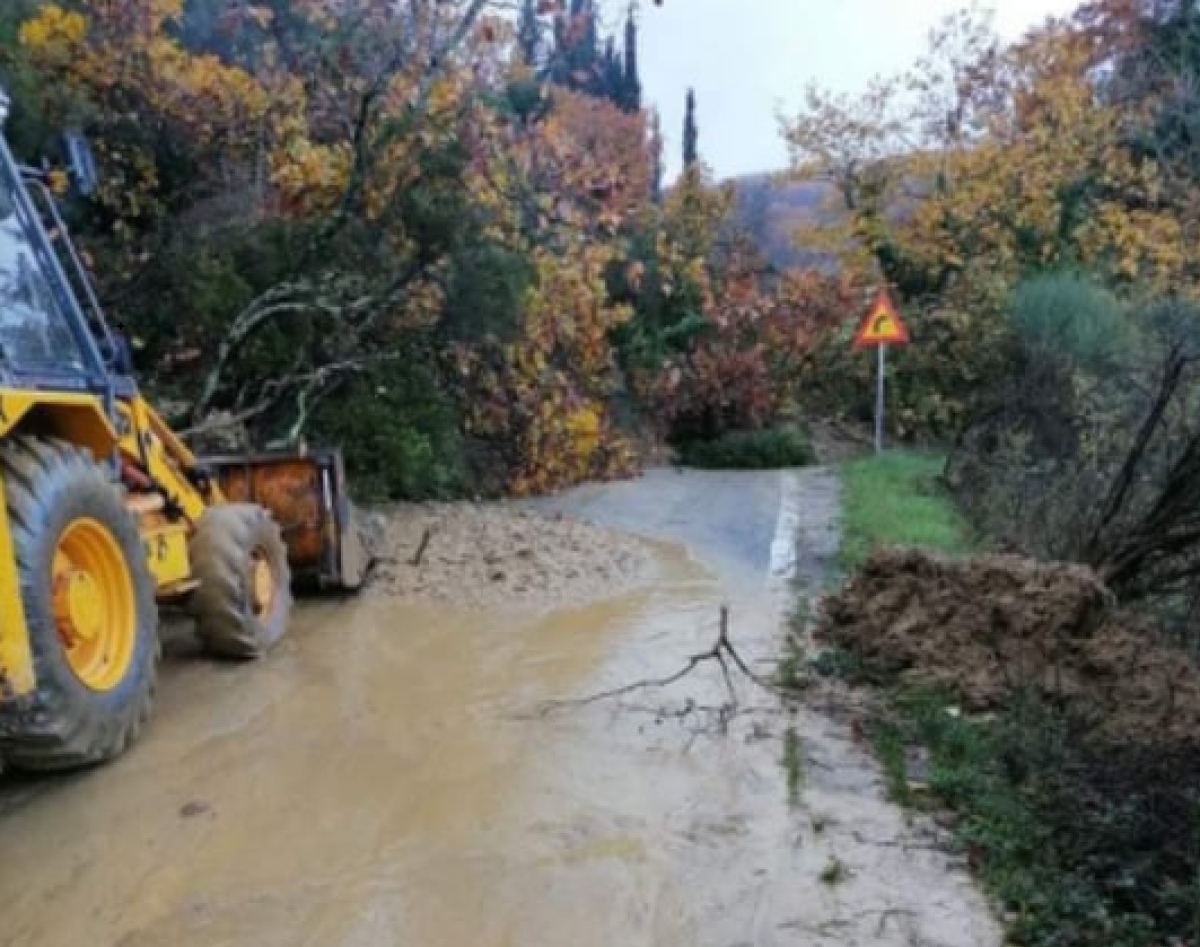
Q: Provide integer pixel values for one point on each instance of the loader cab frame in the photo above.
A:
(46, 340)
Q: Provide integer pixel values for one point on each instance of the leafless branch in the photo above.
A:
(722, 653)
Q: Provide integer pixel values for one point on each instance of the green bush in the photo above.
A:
(750, 450)
(1069, 318)
(399, 434)
(959, 348)
(1083, 843)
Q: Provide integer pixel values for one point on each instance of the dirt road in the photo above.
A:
(384, 777)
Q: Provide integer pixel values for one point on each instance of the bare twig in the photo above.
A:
(723, 653)
(1115, 502)
(421, 547)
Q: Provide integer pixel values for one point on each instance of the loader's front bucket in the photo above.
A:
(306, 493)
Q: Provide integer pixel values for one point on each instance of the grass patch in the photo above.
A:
(790, 673)
(839, 664)
(897, 500)
(771, 449)
(793, 765)
(834, 872)
(1000, 777)
(1081, 843)
(888, 741)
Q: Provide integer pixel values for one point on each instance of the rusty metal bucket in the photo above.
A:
(307, 495)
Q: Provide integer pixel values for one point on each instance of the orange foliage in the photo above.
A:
(743, 370)
(349, 127)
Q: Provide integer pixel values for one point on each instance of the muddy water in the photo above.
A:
(384, 778)
(376, 781)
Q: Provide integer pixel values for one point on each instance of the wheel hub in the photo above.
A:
(93, 604)
(78, 605)
(262, 583)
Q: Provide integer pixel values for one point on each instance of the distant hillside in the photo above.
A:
(772, 210)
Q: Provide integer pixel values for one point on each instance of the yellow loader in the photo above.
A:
(107, 515)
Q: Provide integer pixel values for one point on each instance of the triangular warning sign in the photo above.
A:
(883, 324)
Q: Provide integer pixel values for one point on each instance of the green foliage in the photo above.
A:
(838, 664)
(27, 129)
(487, 288)
(961, 346)
(1069, 318)
(1161, 74)
(772, 449)
(789, 673)
(529, 34)
(835, 872)
(399, 434)
(793, 765)
(631, 80)
(897, 500)
(887, 740)
(1083, 844)
(663, 324)
(691, 134)
(578, 59)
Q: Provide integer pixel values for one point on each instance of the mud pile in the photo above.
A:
(482, 556)
(988, 627)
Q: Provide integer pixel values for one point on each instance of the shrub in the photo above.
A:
(750, 450)
(399, 434)
(1068, 318)
(960, 347)
(1084, 843)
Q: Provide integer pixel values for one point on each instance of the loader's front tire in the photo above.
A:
(244, 600)
(90, 611)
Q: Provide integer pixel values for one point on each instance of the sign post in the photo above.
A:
(881, 327)
(880, 396)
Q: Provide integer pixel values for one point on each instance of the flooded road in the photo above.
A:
(385, 777)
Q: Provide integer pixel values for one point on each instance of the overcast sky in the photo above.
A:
(747, 58)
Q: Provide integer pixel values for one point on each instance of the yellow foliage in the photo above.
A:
(53, 31)
(561, 192)
(310, 177)
(1032, 168)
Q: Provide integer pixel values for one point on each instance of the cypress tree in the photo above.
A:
(656, 157)
(631, 86)
(529, 33)
(610, 82)
(691, 134)
(576, 62)
(590, 62)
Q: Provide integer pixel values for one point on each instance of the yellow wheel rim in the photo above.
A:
(95, 610)
(262, 584)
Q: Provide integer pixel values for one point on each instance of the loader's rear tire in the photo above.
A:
(244, 600)
(90, 610)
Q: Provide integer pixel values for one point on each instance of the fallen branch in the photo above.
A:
(722, 653)
(421, 547)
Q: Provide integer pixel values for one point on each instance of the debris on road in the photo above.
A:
(984, 628)
(481, 556)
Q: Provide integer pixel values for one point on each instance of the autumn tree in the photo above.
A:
(383, 225)
(304, 233)
(1002, 160)
(979, 165)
